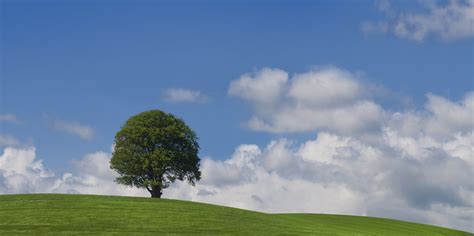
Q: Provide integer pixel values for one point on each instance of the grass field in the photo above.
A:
(88, 214)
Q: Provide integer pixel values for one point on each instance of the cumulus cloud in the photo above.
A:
(92, 175)
(9, 118)
(180, 95)
(264, 87)
(328, 98)
(83, 131)
(415, 165)
(350, 177)
(448, 116)
(408, 173)
(22, 172)
(451, 21)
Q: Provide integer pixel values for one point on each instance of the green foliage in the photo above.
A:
(67, 214)
(154, 149)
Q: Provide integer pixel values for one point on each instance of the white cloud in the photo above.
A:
(22, 172)
(452, 21)
(448, 116)
(92, 175)
(83, 131)
(326, 87)
(264, 87)
(180, 95)
(325, 99)
(9, 118)
(441, 117)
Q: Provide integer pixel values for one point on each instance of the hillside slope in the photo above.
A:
(78, 214)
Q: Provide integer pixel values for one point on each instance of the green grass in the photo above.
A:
(88, 214)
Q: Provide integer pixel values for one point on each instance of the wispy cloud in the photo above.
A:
(9, 118)
(8, 141)
(451, 21)
(181, 95)
(83, 131)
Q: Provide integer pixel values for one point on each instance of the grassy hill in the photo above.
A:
(78, 214)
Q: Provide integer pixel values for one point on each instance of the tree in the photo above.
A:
(153, 149)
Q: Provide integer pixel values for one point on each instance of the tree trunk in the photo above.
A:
(155, 192)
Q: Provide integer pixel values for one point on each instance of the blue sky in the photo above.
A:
(99, 63)
(74, 71)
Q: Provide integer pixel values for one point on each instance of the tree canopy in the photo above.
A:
(154, 149)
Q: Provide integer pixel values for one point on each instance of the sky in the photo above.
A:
(299, 106)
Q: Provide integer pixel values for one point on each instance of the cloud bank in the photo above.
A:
(451, 21)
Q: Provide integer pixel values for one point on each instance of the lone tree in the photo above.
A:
(153, 149)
